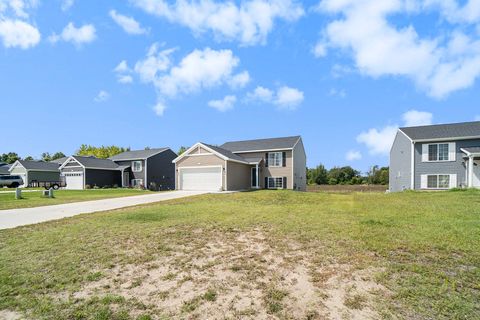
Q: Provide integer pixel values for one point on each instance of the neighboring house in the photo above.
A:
(436, 157)
(277, 163)
(35, 171)
(80, 172)
(4, 169)
(60, 161)
(151, 168)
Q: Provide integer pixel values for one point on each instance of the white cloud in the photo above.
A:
(439, 66)
(199, 70)
(17, 33)
(379, 141)
(128, 24)
(102, 96)
(414, 118)
(77, 36)
(159, 108)
(289, 98)
(17, 8)
(67, 4)
(125, 79)
(320, 50)
(123, 72)
(223, 105)
(250, 22)
(353, 155)
(284, 98)
(122, 67)
(341, 93)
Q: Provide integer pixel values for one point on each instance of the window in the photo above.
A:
(136, 166)
(275, 183)
(275, 159)
(441, 181)
(137, 182)
(438, 152)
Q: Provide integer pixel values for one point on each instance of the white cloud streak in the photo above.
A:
(284, 98)
(224, 104)
(77, 36)
(128, 24)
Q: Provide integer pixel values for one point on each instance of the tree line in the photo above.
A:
(347, 175)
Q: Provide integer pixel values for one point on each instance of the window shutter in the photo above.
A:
(453, 181)
(266, 159)
(284, 159)
(423, 181)
(284, 182)
(266, 182)
(425, 152)
(452, 151)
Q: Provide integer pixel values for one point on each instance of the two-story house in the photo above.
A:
(436, 157)
(276, 163)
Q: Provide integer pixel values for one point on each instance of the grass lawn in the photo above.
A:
(256, 255)
(35, 198)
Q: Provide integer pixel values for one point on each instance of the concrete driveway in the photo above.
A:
(19, 217)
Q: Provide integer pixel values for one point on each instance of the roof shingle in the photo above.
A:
(261, 144)
(137, 154)
(39, 165)
(96, 163)
(443, 131)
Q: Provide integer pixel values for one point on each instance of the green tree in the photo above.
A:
(343, 175)
(58, 155)
(46, 157)
(317, 175)
(377, 175)
(9, 158)
(102, 152)
(181, 150)
(28, 158)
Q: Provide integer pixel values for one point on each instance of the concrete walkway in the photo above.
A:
(12, 218)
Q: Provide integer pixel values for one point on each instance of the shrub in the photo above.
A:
(106, 186)
(87, 186)
(96, 187)
(115, 186)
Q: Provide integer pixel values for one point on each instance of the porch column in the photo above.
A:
(256, 167)
(470, 171)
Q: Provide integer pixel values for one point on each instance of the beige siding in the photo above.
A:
(18, 170)
(286, 171)
(299, 167)
(199, 150)
(238, 176)
(199, 161)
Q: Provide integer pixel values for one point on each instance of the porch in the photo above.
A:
(472, 164)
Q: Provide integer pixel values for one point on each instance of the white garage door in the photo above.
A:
(74, 180)
(209, 179)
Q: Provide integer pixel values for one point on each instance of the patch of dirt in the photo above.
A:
(10, 315)
(240, 275)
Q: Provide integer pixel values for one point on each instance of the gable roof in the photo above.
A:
(37, 165)
(283, 143)
(461, 130)
(4, 169)
(96, 163)
(60, 160)
(137, 154)
(230, 155)
(471, 150)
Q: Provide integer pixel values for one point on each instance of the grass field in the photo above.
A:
(256, 255)
(346, 188)
(35, 198)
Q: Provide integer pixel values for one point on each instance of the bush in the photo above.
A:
(96, 187)
(106, 186)
(87, 186)
(332, 181)
(115, 186)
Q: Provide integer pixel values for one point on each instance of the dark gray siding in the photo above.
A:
(100, 178)
(161, 170)
(43, 176)
(133, 175)
(451, 167)
(400, 163)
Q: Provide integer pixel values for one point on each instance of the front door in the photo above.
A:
(126, 179)
(254, 177)
(476, 174)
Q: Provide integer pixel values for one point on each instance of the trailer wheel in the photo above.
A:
(56, 187)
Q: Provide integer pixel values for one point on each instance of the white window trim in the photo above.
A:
(281, 160)
(133, 166)
(450, 179)
(426, 159)
(268, 182)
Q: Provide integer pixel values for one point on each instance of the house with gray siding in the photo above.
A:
(275, 163)
(436, 157)
(150, 168)
(33, 172)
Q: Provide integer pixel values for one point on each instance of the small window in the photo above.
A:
(137, 166)
(275, 183)
(441, 181)
(137, 182)
(275, 159)
(438, 152)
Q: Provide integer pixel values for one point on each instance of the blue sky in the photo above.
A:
(344, 74)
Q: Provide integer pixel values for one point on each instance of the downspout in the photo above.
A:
(412, 166)
(146, 180)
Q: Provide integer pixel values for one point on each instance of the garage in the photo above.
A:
(74, 180)
(201, 178)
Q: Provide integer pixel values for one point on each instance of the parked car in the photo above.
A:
(11, 181)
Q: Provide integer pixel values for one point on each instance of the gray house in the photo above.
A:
(151, 168)
(80, 172)
(436, 157)
(277, 163)
(35, 171)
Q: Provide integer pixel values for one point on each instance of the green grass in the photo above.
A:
(427, 243)
(35, 198)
